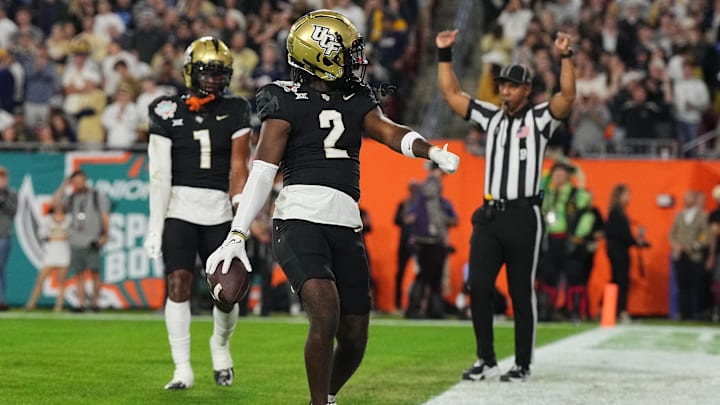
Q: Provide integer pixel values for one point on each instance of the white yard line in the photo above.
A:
(578, 370)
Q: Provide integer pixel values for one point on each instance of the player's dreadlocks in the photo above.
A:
(347, 85)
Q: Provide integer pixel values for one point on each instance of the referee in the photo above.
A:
(508, 227)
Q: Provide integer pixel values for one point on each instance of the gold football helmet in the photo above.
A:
(326, 45)
(208, 66)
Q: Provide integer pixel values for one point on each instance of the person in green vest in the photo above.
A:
(558, 204)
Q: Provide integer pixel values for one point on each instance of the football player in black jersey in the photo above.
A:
(198, 157)
(312, 129)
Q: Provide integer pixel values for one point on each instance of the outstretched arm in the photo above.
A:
(403, 139)
(561, 102)
(458, 100)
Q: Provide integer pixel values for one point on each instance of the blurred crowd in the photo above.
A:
(85, 71)
(647, 70)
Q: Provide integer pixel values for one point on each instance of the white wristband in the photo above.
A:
(407, 142)
(236, 198)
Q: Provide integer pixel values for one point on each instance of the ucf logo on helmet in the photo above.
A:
(325, 39)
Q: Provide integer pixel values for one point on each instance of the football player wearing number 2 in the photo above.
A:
(198, 157)
(311, 129)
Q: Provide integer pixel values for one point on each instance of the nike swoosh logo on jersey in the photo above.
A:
(222, 117)
(348, 97)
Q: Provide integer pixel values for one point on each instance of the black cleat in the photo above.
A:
(481, 371)
(176, 385)
(224, 378)
(516, 373)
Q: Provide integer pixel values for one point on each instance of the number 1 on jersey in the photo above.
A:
(203, 136)
(332, 119)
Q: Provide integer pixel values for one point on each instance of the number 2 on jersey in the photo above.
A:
(203, 136)
(332, 119)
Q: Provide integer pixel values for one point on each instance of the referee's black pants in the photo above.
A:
(512, 236)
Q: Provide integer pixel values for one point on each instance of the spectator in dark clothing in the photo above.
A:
(390, 48)
(620, 239)
(60, 127)
(123, 8)
(48, 12)
(639, 115)
(41, 83)
(7, 83)
(405, 249)
(269, 69)
(431, 216)
(148, 38)
(8, 208)
(713, 260)
(688, 241)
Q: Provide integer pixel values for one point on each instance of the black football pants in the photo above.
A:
(511, 236)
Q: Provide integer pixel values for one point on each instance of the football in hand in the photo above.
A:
(231, 287)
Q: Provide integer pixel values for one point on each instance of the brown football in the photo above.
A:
(231, 287)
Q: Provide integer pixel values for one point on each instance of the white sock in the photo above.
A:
(331, 398)
(177, 321)
(223, 327)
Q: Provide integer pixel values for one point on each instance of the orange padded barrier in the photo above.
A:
(384, 180)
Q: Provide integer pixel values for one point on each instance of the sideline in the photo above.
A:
(628, 364)
(157, 316)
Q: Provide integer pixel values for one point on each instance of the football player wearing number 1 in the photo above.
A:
(198, 152)
(312, 129)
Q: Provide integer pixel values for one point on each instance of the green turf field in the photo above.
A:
(125, 359)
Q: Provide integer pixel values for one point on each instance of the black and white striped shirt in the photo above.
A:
(515, 147)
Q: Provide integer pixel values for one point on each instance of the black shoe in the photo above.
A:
(224, 378)
(77, 309)
(481, 371)
(95, 309)
(4, 307)
(516, 373)
(176, 385)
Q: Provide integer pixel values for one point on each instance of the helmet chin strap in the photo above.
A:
(194, 102)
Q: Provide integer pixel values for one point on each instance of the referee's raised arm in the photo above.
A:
(457, 99)
(561, 102)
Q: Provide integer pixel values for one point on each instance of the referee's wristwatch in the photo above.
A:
(569, 54)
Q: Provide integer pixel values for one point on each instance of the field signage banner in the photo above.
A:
(130, 278)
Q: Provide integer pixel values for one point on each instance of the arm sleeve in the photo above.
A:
(160, 173)
(257, 189)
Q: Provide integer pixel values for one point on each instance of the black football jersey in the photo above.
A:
(201, 141)
(323, 146)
